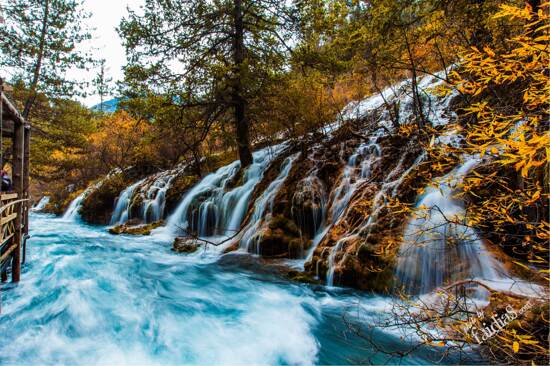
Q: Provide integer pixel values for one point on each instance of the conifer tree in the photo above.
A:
(212, 54)
(38, 45)
(102, 83)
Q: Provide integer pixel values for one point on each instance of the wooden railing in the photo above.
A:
(11, 231)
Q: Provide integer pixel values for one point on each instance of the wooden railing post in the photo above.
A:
(26, 176)
(18, 168)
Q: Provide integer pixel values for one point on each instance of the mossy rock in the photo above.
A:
(303, 277)
(141, 229)
(185, 245)
(98, 206)
(281, 237)
(134, 210)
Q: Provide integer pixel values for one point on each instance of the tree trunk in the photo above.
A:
(417, 101)
(535, 7)
(239, 103)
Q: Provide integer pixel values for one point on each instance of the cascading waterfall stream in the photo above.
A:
(154, 199)
(122, 207)
(356, 172)
(210, 208)
(390, 185)
(437, 247)
(71, 214)
(263, 208)
(41, 204)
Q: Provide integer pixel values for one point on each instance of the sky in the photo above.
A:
(106, 16)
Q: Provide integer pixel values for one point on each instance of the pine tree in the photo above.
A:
(102, 82)
(213, 54)
(38, 44)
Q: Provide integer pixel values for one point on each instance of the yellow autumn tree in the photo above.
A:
(507, 93)
(120, 142)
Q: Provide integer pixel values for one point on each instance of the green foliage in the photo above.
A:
(38, 44)
(61, 128)
(213, 55)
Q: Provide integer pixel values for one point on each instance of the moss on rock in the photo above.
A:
(139, 229)
(98, 206)
(185, 245)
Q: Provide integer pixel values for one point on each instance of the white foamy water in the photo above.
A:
(122, 207)
(90, 298)
(438, 247)
(41, 204)
(71, 213)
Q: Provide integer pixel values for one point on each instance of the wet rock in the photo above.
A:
(304, 277)
(97, 207)
(134, 227)
(185, 245)
(281, 237)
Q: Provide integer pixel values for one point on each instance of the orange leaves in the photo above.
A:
(119, 141)
(509, 89)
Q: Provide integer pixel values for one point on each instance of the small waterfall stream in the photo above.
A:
(356, 172)
(41, 204)
(263, 208)
(437, 247)
(154, 199)
(122, 207)
(390, 186)
(71, 214)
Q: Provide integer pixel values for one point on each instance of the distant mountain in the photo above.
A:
(109, 106)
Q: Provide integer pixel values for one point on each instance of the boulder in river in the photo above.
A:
(131, 228)
(185, 245)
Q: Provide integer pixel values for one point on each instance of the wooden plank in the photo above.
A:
(7, 238)
(6, 255)
(8, 196)
(6, 219)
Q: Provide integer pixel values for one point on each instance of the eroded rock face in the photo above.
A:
(97, 207)
(360, 248)
(281, 237)
(297, 212)
(185, 245)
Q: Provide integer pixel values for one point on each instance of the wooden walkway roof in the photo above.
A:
(10, 115)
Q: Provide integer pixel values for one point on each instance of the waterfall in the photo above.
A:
(331, 263)
(121, 212)
(211, 207)
(379, 200)
(71, 214)
(263, 207)
(437, 247)
(436, 109)
(41, 204)
(356, 172)
(155, 198)
(389, 186)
